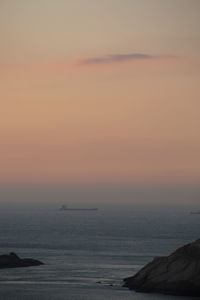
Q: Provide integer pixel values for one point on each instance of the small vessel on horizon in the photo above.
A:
(64, 207)
(195, 212)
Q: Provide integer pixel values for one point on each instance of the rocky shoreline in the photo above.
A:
(12, 260)
(176, 274)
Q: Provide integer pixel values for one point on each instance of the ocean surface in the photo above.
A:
(88, 253)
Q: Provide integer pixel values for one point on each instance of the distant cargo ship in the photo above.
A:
(64, 207)
(195, 212)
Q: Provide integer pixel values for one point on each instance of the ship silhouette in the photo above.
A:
(65, 207)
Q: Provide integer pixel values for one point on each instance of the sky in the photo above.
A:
(100, 91)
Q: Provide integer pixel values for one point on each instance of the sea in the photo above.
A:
(87, 254)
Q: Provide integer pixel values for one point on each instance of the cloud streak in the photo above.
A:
(120, 58)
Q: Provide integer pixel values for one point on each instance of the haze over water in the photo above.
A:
(88, 253)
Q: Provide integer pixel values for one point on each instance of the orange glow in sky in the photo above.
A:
(107, 91)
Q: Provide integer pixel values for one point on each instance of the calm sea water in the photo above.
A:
(87, 254)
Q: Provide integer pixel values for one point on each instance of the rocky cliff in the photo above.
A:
(176, 274)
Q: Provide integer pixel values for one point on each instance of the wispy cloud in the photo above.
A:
(118, 58)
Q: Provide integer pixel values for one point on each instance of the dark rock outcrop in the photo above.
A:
(12, 260)
(176, 274)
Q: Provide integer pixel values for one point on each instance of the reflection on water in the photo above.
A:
(87, 255)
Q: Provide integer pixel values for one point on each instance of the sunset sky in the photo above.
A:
(100, 91)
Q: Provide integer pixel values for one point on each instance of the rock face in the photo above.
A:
(13, 261)
(176, 274)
